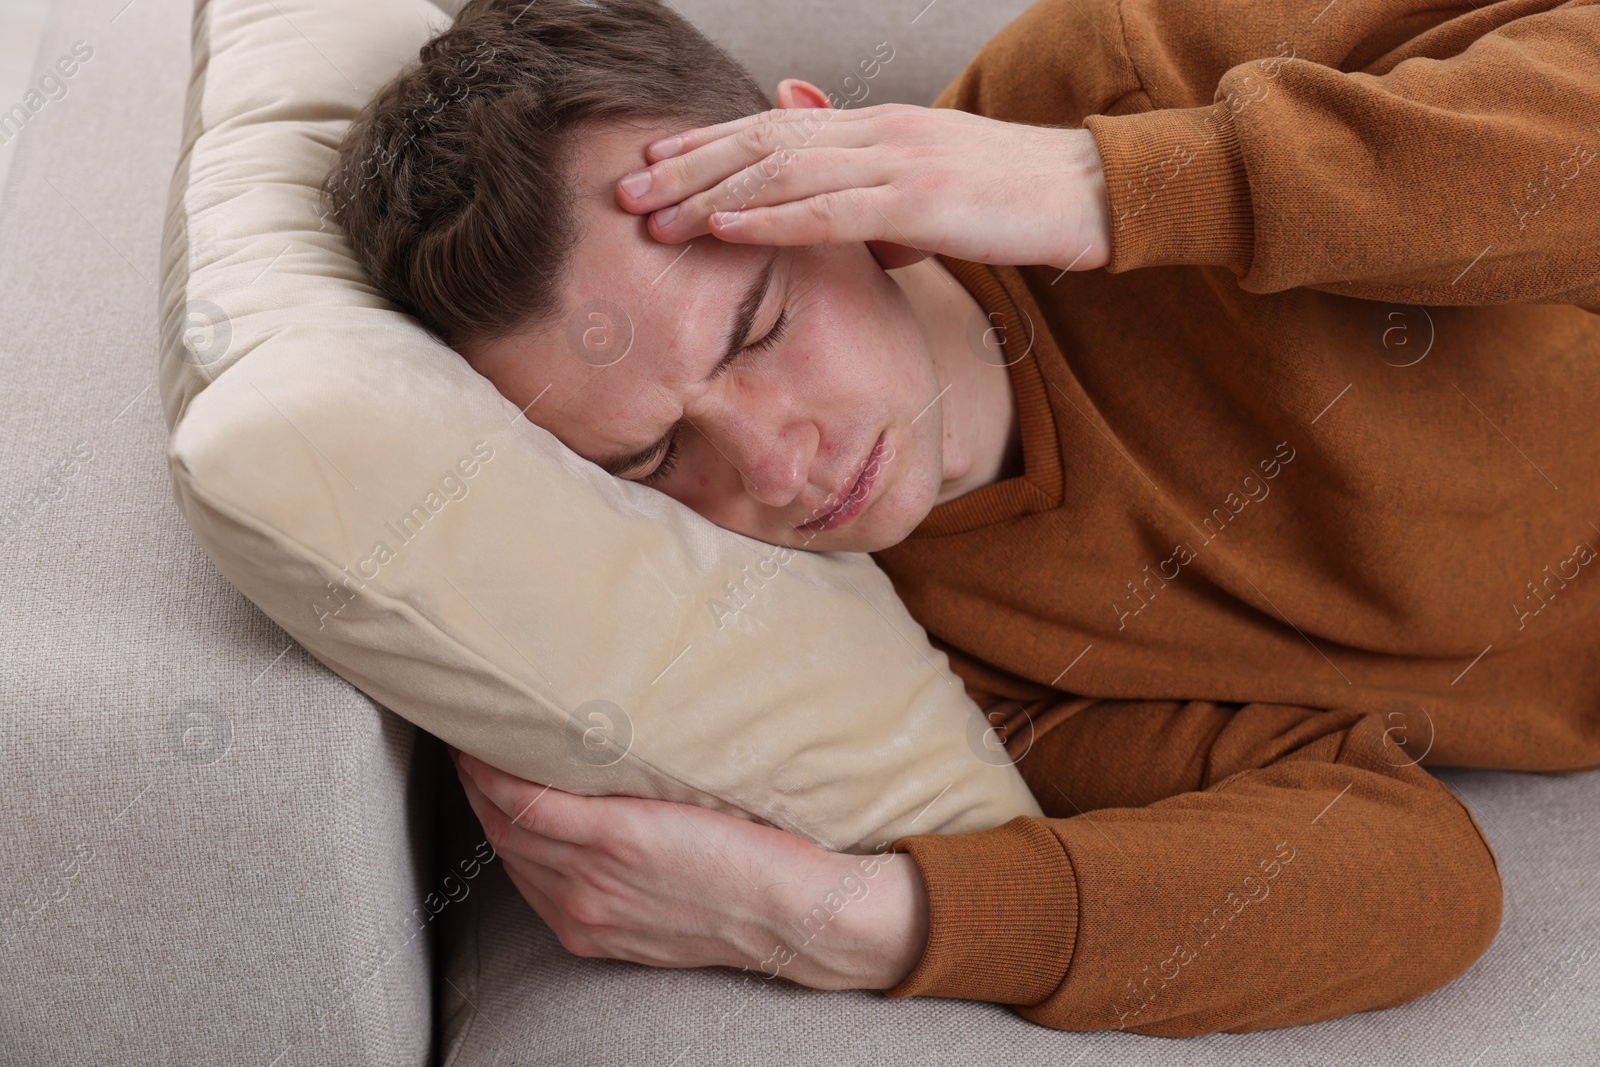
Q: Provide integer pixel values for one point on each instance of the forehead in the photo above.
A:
(641, 320)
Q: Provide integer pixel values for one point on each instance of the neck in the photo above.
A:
(982, 433)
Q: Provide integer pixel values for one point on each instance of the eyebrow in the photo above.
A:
(744, 317)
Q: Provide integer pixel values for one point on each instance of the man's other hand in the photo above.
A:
(675, 885)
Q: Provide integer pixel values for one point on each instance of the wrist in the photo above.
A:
(860, 923)
(901, 923)
(1088, 242)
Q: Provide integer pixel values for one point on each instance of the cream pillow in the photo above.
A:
(400, 519)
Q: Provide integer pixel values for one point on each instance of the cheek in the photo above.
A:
(856, 335)
(704, 480)
(920, 474)
(864, 382)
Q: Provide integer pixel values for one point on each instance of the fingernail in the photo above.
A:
(637, 183)
(667, 146)
(666, 215)
(466, 763)
(724, 218)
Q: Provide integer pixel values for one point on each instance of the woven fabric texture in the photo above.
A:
(214, 845)
(512, 994)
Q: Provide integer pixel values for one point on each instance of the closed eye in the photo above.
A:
(669, 455)
(773, 336)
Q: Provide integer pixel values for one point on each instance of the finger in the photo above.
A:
(540, 809)
(691, 139)
(518, 843)
(496, 824)
(835, 217)
(576, 937)
(784, 177)
(537, 885)
(527, 883)
(736, 166)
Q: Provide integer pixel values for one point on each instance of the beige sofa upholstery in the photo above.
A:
(217, 852)
(210, 840)
(511, 994)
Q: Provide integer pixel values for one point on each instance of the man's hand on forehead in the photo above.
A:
(909, 181)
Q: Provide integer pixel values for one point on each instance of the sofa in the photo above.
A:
(220, 852)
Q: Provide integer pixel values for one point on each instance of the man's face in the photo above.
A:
(770, 445)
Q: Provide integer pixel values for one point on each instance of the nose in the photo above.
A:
(771, 450)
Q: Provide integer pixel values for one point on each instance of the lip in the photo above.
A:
(855, 499)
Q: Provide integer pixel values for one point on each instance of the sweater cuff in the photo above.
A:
(1002, 914)
(1178, 188)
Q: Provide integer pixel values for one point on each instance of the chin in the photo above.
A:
(887, 524)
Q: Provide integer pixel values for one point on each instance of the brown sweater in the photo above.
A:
(1311, 500)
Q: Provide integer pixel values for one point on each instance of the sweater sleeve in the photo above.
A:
(1473, 179)
(1205, 867)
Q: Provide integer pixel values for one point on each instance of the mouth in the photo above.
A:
(856, 497)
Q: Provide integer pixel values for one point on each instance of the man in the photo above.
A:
(1276, 479)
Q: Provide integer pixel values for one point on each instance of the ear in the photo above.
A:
(795, 92)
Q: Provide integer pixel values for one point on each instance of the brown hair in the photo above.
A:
(453, 184)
